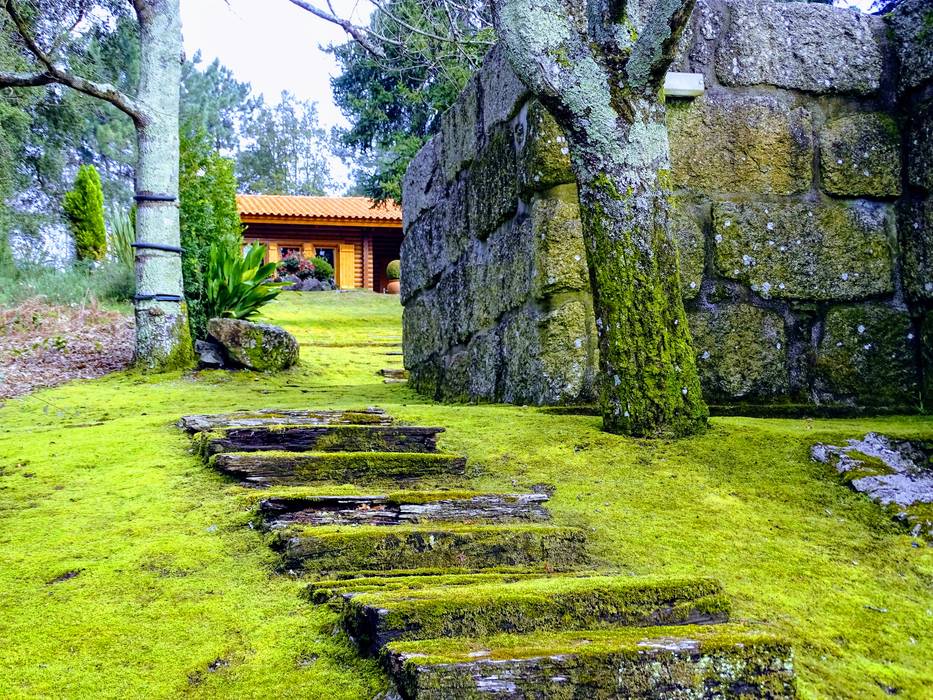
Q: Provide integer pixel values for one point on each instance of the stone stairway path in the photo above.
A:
(467, 594)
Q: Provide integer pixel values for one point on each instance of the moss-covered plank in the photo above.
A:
(470, 547)
(320, 438)
(561, 603)
(297, 468)
(282, 416)
(725, 661)
(404, 507)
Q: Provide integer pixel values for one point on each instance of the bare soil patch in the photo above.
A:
(43, 344)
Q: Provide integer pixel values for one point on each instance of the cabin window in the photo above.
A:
(285, 251)
(327, 253)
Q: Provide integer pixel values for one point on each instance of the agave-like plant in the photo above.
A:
(238, 285)
(121, 237)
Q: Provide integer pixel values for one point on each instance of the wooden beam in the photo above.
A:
(683, 85)
(321, 221)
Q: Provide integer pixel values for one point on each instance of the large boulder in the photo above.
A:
(258, 346)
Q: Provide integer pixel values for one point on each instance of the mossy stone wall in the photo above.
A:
(803, 213)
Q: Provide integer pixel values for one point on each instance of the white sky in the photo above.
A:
(273, 45)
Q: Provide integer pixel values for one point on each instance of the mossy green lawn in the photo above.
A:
(176, 595)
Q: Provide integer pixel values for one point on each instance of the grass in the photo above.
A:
(111, 284)
(175, 595)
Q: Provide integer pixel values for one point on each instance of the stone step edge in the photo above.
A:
(302, 468)
(195, 423)
(555, 603)
(328, 549)
(712, 661)
(405, 507)
(309, 437)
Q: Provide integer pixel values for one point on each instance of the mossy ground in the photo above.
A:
(176, 596)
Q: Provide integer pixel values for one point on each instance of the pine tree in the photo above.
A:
(84, 209)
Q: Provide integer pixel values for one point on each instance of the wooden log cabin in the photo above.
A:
(356, 236)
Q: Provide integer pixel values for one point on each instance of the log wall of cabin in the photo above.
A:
(362, 241)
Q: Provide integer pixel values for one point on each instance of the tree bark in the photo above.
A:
(163, 340)
(599, 68)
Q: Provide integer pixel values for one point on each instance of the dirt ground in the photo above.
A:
(44, 345)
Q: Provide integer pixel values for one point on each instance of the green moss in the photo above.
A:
(94, 476)
(538, 604)
(472, 547)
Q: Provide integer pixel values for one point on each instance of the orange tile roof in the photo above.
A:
(359, 209)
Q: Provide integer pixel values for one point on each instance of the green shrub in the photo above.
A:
(394, 270)
(208, 217)
(84, 210)
(238, 285)
(323, 270)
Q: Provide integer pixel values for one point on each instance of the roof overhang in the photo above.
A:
(319, 221)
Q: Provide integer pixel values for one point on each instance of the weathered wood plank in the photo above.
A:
(320, 438)
(394, 373)
(300, 468)
(727, 661)
(470, 547)
(555, 604)
(404, 508)
(282, 416)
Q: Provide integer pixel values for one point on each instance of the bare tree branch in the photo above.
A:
(57, 74)
(8, 79)
(357, 33)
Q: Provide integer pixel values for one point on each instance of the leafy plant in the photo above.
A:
(394, 270)
(121, 237)
(238, 285)
(84, 209)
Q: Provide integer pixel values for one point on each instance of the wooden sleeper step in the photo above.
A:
(302, 468)
(723, 661)
(282, 416)
(404, 507)
(319, 438)
(394, 373)
(330, 549)
(375, 618)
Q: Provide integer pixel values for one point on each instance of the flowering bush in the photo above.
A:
(294, 264)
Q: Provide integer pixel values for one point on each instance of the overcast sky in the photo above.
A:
(271, 44)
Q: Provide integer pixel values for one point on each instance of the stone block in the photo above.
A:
(724, 142)
(459, 126)
(543, 151)
(423, 184)
(503, 93)
(860, 156)
(499, 274)
(422, 335)
(521, 363)
(455, 382)
(926, 357)
(912, 28)
(691, 248)
(492, 194)
(741, 352)
(559, 251)
(568, 354)
(916, 237)
(803, 46)
(867, 356)
(806, 250)
(920, 145)
(483, 351)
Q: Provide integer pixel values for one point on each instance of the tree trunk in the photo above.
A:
(599, 68)
(163, 340)
(648, 382)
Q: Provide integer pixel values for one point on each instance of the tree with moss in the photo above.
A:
(208, 216)
(84, 210)
(599, 67)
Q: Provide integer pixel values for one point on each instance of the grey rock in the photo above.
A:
(804, 46)
(860, 156)
(459, 126)
(492, 191)
(210, 355)
(312, 285)
(806, 250)
(912, 25)
(916, 236)
(920, 142)
(258, 346)
(727, 142)
(503, 92)
(423, 185)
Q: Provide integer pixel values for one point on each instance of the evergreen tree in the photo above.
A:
(84, 209)
(208, 214)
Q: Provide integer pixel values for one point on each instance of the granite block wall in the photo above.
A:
(804, 219)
